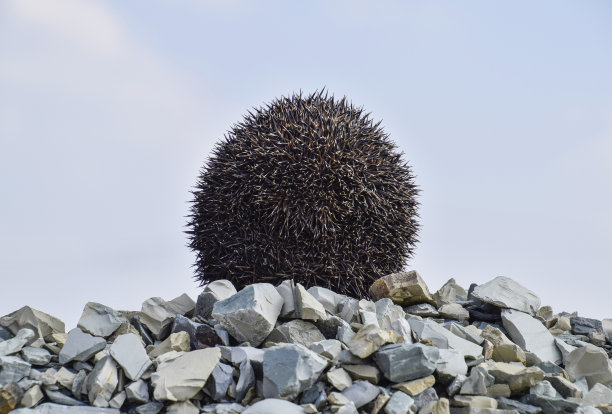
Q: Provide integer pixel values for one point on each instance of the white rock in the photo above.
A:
(80, 346)
(118, 400)
(368, 318)
(129, 352)
(361, 393)
(387, 313)
(531, 335)
(250, 315)
(157, 315)
(286, 290)
(183, 377)
(443, 338)
(329, 348)
(402, 328)
(185, 407)
(273, 405)
(590, 362)
(52, 408)
(506, 293)
(339, 378)
(182, 305)
(13, 369)
(100, 320)
(453, 311)
(328, 298)
(598, 395)
(15, 344)
(308, 308)
(564, 348)
(64, 377)
(102, 381)
(400, 403)
(450, 364)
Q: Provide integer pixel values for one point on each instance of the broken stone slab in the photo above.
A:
(296, 331)
(246, 380)
(290, 369)
(477, 382)
(307, 307)
(361, 393)
(454, 311)
(80, 346)
(329, 348)
(404, 362)
(59, 397)
(236, 354)
(41, 323)
(504, 292)
(531, 335)
(469, 333)
(417, 386)
(367, 341)
(31, 397)
(180, 379)
(184, 407)
(178, 341)
(15, 344)
(450, 292)
(200, 335)
(250, 315)
(518, 377)
(476, 401)
(129, 353)
(598, 395)
(522, 408)
(137, 392)
(65, 377)
(400, 403)
(157, 315)
(450, 364)
(363, 372)
(183, 305)
(424, 310)
(52, 408)
(590, 362)
(348, 309)
(443, 338)
(100, 320)
(13, 369)
(219, 381)
(273, 405)
(328, 298)
(584, 326)
(550, 405)
(339, 378)
(565, 387)
(387, 312)
(35, 356)
(403, 288)
(102, 381)
(402, 328)
(212, 293)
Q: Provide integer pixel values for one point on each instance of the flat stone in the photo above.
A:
(65, 377)
(454, 311)
(181, 378)
(402, 328)
(52, 408)
(550, 405)
(183, 305)
(273, 405)
(329, 348)
(361, 393)
(137, 392)
(36, 356)
(508, 404)
(450, 364)
(504, 292)
(417, 386)
(100, 320)
(339, 378)
(178, 341)
(102, 380)
(469, 333)
(598, 395)
(565, 387)
(41, 323)
(296, 331)
(424, 310)
(184, 407)
(152, 407)
(363, 372)
(518, 377)
(476, 401)
(80, 346)
(477, 382)
(584, 326)
(219, 381)
(400, 403)
(367, 341)
(443, 338)
(403, 288)
(13, 369)
(157, 315)
(59, 397)
(307, 307)
(15, 344)
(290, 369)
(250, 315)
(450, 292)
(130, 355)
(404, 362)
(529, 333)
(387, 312)
(590, 362)
(328, 298)
(31, 397)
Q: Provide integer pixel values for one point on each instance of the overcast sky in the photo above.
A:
(109, 109)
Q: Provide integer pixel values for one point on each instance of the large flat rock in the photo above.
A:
(531, 335)
(504, 292)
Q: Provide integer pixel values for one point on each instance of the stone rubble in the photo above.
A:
(491, 349)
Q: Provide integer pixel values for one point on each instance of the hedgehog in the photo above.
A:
(307, 188)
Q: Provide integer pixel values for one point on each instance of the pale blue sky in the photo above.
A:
(108, 110)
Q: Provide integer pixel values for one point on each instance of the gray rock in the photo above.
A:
(157, 315)
(328, 348)
(443, 338)
(137, 392)
(329, 327)
(550, 405)
(307, 307)
(117, 400)
(184, 407)
(400, 403)
(426, 397)
(387, 312)
(565, 387)
(584, 326)
(455, 385)
(5, 334)
(361, 393)
(273, 405)
(348, 309)
(36, 356)
(403, 362)
(328, 298)
(454, 311)
(424, 310)
(450, 292)
(102, 381)
(100, 320)
(219, 381)
(522, 408)
(289, 370)
(128, 351)
(531, 335)
(345, 334)
(450, 364)
(590, 362)
(544, 389)
(468, 333)
(477, 382)
(339, 378)
(518, 377)
(606, 325)
(236, 354)
(80, 346)
(348, 409)
(152, 407)
(250, 315)
(52, 408)
(402, 328)
(246, 380)
(504, 292)
(296, 331)
(41, 323)
(286, 290)
(14, 345)
(598, 395)
(368, 318)
(181, 378)
(78, 383)
(13, 369)
(61, 398)
(183, 305)
(212, 293)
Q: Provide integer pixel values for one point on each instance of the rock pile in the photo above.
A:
(286, 349)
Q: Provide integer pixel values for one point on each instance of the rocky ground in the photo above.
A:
(287, 349)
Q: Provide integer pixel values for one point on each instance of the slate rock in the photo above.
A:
(183, 305)
(387, 313)
(80, 346)
(129, 353)
(61, 398)
(296, 331)
(443, 338)
(13, 369)
(477, 382)
(212, 293)
(219, 381)
(102, 380)
(307, 307)
(403, 362)
(328, 348)
(522, 408)
(250, 315)
(450, 292)
(153, 407)
(274, 405)
(52, 408)
(400, 403)
(137, 392)
(590, 362)
(550, 405)
(246, 380)
(157, 315)
(584, 326)
(450, 363)
(504, 292)
(15, 344)
(142, 330)
(326, 297)
(329, 327)
(565, 387)
(425, 398)
(100, 320)
(348, 309)
(403, 288)
(453, 311)
(544, 389)
(424, 310)
(531, 335)
(361, 393)
(290, 369)
(41, 323)
(36, 356)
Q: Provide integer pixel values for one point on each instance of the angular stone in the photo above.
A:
(137, 392)
(590, 362)
(152, 407)
(329, 348)
(131, 355)
(52, 408)
(529, 333)
(250, 315)
(417, 386)
(565, 387)
(10, 396)
(65, 377)
(450, 364)
(339, 378)
(345, 334)
(78, 384)
(450, 292)
(80, 346)
(13, 369)
(348, 309)
(157, 315)
(307, 307)
(426, 399)
(368, 318)
(118, 400)
(584, 326)
(178, 341)
(212, 293)
(404, 362)
(518, 377)
(442, 406)
(550, 405)
(363, 372)
(477, 382)
(246, 380)
(184, 407)
(598, 395)
(100, 320)
(183, 305)
(504, 292)
(286, 289)
(361, 393)
(606, 325)
(443, 338)
(456, 384)
(400, 403)
(403, 288)
(424, 310)
(367, 341)
(59, 397)
(289, 370)
(476, 401)
(181, 378)
(330, 326)
(143, 331)
(328, 298)
(296, 331)
(41, 323)
(508, 404)
(544, 389)
(102, 380)
(499, 390)
(387, 312)
(469, 333)
(31, 397)
(273, 405)
(454, 311)
(15, 344)
(219, 381)
(402, 328)
(36, 356)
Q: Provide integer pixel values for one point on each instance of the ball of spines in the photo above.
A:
(307, 188)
